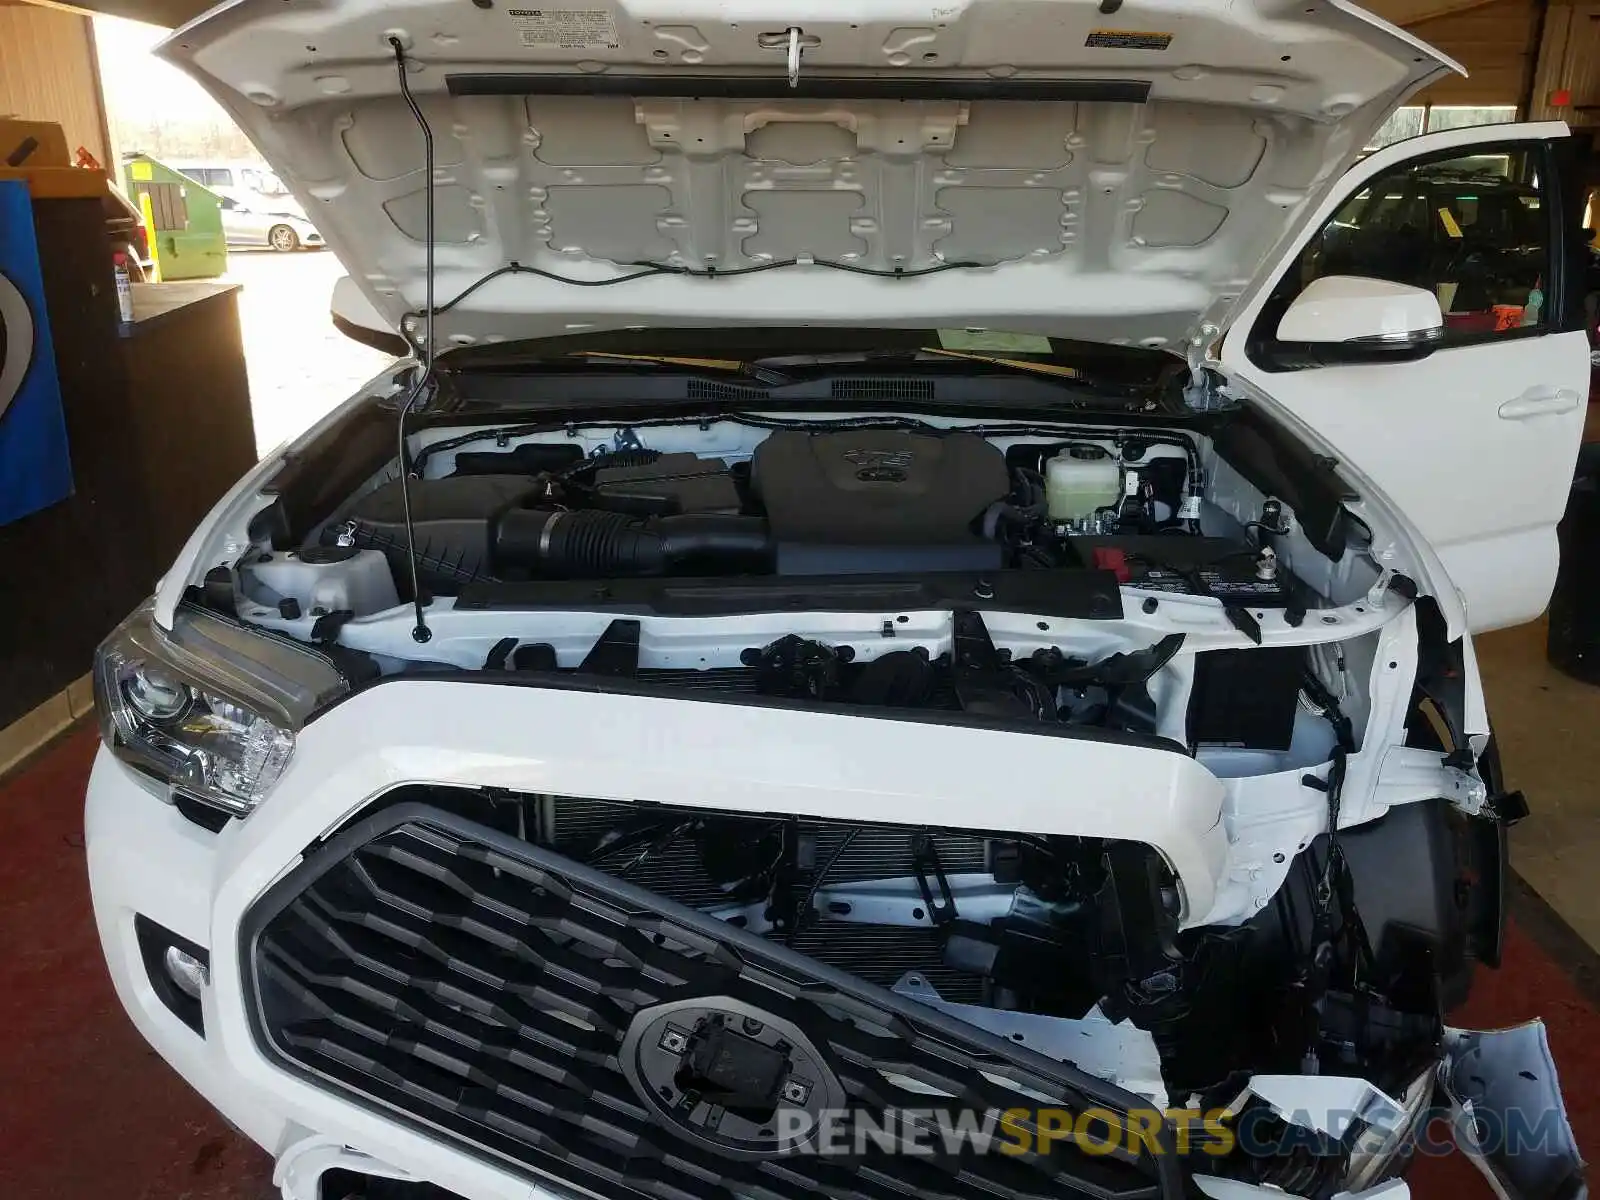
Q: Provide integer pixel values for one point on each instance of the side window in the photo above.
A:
(1473, 229)
(220, 178)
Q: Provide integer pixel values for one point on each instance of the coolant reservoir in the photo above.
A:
(1080, 480)
(326, 579)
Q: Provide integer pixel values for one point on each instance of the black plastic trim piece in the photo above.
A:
(154, 941)
(1065, 594)
(378, 339)
(615, 652)
(988, 391)
(1491, 851)
(1302, 356)
(1283, 468)
(208, 816)
(615, 685)
(809, 87)
(340, 1184)
(312, 480)
(1564, 163)
(1441, 672)
(599, 949)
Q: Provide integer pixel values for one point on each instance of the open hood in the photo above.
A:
(1080, 168)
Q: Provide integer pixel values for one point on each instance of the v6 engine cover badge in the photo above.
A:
(729, 1075)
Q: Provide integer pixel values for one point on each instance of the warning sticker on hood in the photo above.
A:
(566, 28)
(1127, 39)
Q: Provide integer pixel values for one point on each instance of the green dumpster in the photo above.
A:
(188, 219)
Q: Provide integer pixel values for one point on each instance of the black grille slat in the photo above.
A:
(542, 1091)
(593, 1000)
(361, 983)
(592, 1010)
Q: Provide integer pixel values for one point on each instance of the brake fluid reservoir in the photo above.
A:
(1080, 480)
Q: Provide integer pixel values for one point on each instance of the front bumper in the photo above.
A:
(145, 858)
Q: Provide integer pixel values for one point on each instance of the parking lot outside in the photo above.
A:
(300, 366)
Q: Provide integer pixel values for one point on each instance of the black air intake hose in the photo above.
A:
(595, 545)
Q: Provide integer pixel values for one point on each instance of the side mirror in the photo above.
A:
(1351, 319)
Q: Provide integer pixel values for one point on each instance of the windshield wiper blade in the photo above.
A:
(756, 371)
(927, 356)
(577, 359)
(1058, 370)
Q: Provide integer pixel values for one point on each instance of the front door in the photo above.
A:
(1476, 442)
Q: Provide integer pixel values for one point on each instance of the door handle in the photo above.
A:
(1539, 402)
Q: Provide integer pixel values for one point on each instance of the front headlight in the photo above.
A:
(210, 708)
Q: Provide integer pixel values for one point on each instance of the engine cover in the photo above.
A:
(878, 500)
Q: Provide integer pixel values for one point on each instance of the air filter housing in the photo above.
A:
(878, 500)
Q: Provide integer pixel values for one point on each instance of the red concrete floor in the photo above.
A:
(88, 1112)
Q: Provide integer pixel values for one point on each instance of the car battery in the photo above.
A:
(1193, 566)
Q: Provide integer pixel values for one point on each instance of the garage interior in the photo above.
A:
(89, 1111)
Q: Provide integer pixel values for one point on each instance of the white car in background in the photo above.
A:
(257, 210)
(895, 600)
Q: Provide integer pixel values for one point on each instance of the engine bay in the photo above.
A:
(807, 503)
(1046, 574)
(796, 515)
(1178, 592)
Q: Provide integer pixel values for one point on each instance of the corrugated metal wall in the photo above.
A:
(48, 72)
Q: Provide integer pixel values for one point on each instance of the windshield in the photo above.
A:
(261, 180)
(772, 356)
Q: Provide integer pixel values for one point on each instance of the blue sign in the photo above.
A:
(35, 470)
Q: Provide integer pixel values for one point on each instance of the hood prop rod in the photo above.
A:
(419, 385)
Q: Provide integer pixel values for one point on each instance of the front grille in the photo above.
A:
(483, 988)
(878, 954)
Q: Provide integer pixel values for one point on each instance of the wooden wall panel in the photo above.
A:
(1570, 59)
(48, 72)
(1497, 43)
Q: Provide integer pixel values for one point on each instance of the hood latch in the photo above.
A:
(794, 41)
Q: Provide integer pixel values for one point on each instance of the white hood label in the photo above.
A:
(1127, 39)
(566, 28)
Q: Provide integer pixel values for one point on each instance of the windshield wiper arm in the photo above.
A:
(925, 355)
(1058, 370)
(513, 360)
